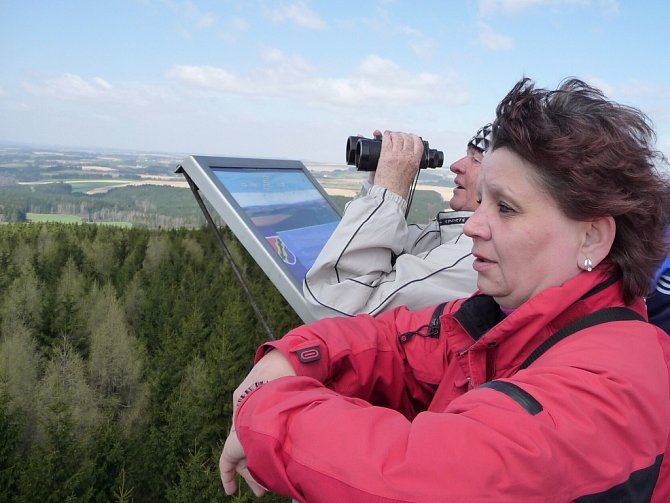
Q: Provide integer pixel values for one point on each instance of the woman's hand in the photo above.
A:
(272, 366)
(233, 460)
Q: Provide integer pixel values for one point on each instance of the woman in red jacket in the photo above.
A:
(547, 384)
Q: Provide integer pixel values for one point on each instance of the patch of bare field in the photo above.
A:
(350, 187)
(167, 178)
(97, 168)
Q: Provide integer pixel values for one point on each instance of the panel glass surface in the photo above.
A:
(289, 212)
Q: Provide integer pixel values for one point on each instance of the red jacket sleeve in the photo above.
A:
(364, 357)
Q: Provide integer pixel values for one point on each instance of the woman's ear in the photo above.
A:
(598, 240)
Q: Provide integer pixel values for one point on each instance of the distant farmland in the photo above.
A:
(91, 187)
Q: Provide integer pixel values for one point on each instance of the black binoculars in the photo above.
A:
(364, 154)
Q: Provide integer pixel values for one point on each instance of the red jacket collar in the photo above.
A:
(537, 319)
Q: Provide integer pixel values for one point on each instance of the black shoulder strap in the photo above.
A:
(603, 316)
(434, 326)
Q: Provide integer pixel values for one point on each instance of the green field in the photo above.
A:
(125, 225)
(70, 219)
(49, 217)
(80, 186)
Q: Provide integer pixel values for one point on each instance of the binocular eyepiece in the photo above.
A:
(364, 154)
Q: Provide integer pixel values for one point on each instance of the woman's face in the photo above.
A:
(522, 242)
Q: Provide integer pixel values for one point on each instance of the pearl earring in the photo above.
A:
(588, 265)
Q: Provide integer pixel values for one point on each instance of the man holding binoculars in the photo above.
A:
(375, 261)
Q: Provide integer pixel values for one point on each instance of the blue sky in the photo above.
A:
(293, 78)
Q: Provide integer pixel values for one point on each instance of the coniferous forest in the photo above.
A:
(119, 351)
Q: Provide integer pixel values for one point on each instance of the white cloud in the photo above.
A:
(644, 89)
(605, 87)
(209, 77)
(101, 83)
(488, 38)
(190, 13)
(422, 45)
(69, 86)
(299, 13)
(423, 48)
(286, 65)
(238, 24)
(631, 89)
(410, 31)
(610, 6)
(376, 81)
(650, 97)
(489, 7)
(233, 27)
(281, 74)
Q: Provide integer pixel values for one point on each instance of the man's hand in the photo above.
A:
(232, 461)
(371, 174)
(398, 162)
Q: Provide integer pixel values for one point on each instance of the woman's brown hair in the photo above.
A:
(596, 158)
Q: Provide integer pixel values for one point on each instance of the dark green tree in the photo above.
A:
(22, 303)
(70, 307)
(54, 470)
(19, 371)
(11, 424)
(115, 363)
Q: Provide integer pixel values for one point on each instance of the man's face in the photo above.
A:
(467, 171)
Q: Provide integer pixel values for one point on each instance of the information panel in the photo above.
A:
(277, 210)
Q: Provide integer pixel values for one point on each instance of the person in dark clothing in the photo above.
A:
(658, 302)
